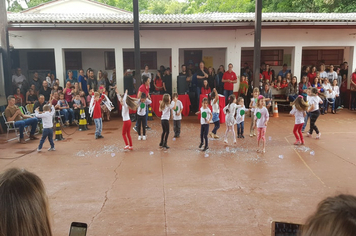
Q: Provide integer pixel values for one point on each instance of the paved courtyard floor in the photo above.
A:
(230, 190)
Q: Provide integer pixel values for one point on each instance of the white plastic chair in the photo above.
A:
(10, 125)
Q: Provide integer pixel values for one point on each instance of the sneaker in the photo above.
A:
(235, 141)
(339, 108)
(100, 136)
(242, 136)
(296, 143)
(161, 144)
(139, 138)
(165, 146)
(251, 135)
(205, 148)
(148, 128)
(302, 143)
(66, 123)
(318, 136)
(144, 137)
(254, 134)
(127, 147)
(96, 137)
(309, 135)
(51, 149)
(225, 141)
(342, 106)
(263, 151)
(135, 129)
(38, 150)
(211, 134)
(130, 148)
(216, 136)
(200, 145)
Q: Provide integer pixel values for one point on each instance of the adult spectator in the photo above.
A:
(40, 103)
(267, 93)
(335, 216)
(322, 73)
(144, 88)
(36, 81)
(18, 79)
(70, 78)
(344, 70)
(92, 82)
(158, 83)
(206, 88)
(82, 80)
(353, 91)
(305, 71)
(267, 73)
(316, 84)
(292, 90)
(19, 98)
(45, 90)
(312, 74)
(60, 88)
(243, 88)
(167, 81)
(67, 91)
(220, 75)
(201, 76)
(13, 113)
(55, 99)
(329, 97)
(31, 96)
(146, 73)
(343, 91)
(229, 79)
(51, 81)
(284, 71)
(332, 74)
(101, 79)
(262, 67)
(303, 87)
(184, 70)
(24, 204)
(211, 78)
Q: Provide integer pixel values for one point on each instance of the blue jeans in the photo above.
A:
(66, 113)
(98, 126)
(326, 104)
(146, 117)
(241, 128)
(47, 132)
(292, 97)
(227, 93)
(22, 123)
(305, 121)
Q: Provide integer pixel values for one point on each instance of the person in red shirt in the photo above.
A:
(284, 83)
(353, 91)
(159, 83)
(97, 114)
(206, 88)
(312, 75)
(229, 79)
(267, 73)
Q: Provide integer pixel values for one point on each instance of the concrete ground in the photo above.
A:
(230, 190)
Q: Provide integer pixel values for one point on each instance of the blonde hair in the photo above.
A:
(164, 102)
(47, 107)
(256, 90)
(300, 104)
(132, 102)
(23, 204)
(96, 94)
(335, 216)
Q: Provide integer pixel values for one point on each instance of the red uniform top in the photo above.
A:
(144, 89)
(267, 75)
(159, 83)
(354, 77)
(229, 76)
(97, 108)
(205, 91)
(311, 77)
(284, 85)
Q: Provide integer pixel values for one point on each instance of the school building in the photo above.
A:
(64, 35)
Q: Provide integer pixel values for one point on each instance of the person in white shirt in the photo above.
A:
(261, 119)
(240, 117)
(141, 115)
(299, 112)
(329, 97)
(205, 119)
(165, 106)
(177, 115)
(322, 73)
(314, 101)
(127, 103)
(332, 75)
(18, 79)
(214, 102)
(336, 92)
(146, 73)
(47, 122)
(230, 112)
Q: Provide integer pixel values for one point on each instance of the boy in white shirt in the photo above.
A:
(47, 121)
(177, 115)
(141, 116)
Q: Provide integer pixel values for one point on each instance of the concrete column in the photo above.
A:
(175, 67)
(233, 55)
(119, 65)
(352, 64)
(60, 65)
(296, 66)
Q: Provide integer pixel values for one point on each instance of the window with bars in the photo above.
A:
(322, 56)
(147, 58)
(271, 57)
(109, 60)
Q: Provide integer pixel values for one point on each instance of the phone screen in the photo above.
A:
(78, 229)
(285, 229)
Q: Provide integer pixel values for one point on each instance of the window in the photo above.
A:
(147, 58)
(41, 60)
(271, 57)
(73, 60)
(326, 56)
(109, 60)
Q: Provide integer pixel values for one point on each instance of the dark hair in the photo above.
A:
(70, 71)
(285, 64)
(175, 95)
(239, 99)
(207, 84)
(231, 64)
(144, 78)
(184, 65)
(143, 95)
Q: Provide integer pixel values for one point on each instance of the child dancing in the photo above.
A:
(314, 101)
(141, 116)
(299, 112)
(240, 117)
(205, 119)
(230, 111)
(95, 112)
(253, 103)
(127, 103)
(165, 107)
(47, 121)
(261, 119)
(214, 102)
(177, 115)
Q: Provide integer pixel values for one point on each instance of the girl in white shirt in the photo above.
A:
(298, 110)
(165, 107)
(127, 103)
(230, 111)
(336, 92)
(205, 119)
(240, 117)
(261, 119)
(314, 101)
(214, 102)
(256, 93)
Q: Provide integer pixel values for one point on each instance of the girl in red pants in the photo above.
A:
(299, 112)
(127, 103)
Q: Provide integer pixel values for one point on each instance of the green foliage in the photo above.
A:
(206, 6)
